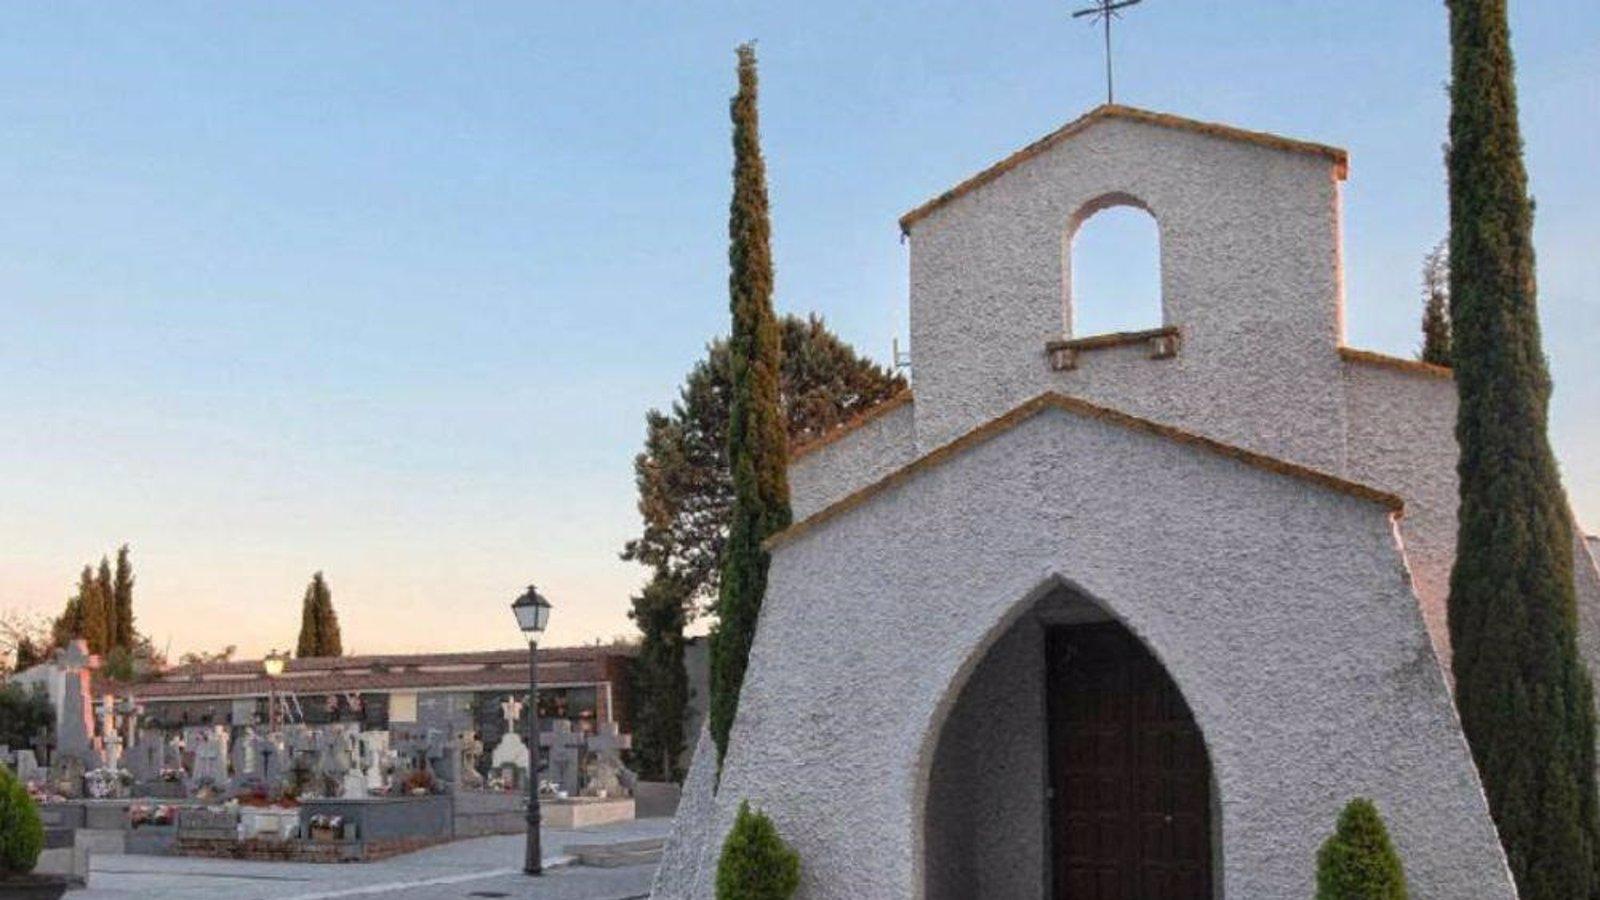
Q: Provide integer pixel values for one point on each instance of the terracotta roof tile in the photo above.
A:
(1052, 400)
(1414, 366)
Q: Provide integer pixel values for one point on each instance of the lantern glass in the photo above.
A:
(273, 664)
(532, 611)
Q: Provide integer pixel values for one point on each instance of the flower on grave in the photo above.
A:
(41, 793)
(104, 781)
(327, 822)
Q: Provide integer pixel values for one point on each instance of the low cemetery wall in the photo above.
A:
(585, 812)
(656, 799)
(479, 813)
(385, 818)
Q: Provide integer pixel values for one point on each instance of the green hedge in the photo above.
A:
(1358, 862)
(21, 833)
(756, 864)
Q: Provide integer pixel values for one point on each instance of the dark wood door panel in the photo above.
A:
(1131, 814)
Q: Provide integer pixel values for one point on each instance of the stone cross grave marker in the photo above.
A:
(564, 752)
(74, 730)
(605, 770)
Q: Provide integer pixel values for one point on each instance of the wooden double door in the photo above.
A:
(1130, 780)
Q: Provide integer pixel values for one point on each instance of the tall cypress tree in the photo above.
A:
(661, 684)
(757, 449)
(319, 625)
(328, 622)
(100, 620)
(122, 600)
(1525, 698)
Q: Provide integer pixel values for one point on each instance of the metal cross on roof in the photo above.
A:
(1103, 12)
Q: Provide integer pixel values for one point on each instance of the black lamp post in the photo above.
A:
(533, 612)
(273, 665)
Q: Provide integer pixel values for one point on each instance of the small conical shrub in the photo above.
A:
(756, 864)
(1358, 862)
(21, 832)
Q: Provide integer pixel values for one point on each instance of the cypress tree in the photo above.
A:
(106, 616)
(327, 621)
(319, 625)
(757, 450)
(90, 612)
(122, 600)
(1525, 698)
(1436, 306)
(661, 685)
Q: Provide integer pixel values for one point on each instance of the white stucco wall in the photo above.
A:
(870, 451)
(1282, 610)
(990, 765)
(1401, 438)
(1249, 272)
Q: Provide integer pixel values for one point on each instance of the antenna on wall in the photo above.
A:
(1103, 11)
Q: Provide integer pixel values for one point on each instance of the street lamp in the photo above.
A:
(532, 612)
(273, 665)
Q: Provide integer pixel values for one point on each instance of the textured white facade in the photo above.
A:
(890, 722)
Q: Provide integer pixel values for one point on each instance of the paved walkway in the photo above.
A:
(478, 868)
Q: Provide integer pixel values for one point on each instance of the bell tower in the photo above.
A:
(1251, 289)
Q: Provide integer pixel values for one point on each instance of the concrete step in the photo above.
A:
(616, 854)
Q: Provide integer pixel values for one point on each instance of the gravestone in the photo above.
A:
(201, 823)
(172, 753)
(74, 731)
(375, 754)
(511, 751)
(469, 750)
(355, 780)
(144, 760)
(27, 767)
(440, 754)
(247, 755)
(605, 775)
(563, 751)
(210, 748)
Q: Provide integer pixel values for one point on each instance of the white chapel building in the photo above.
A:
(1117, 616)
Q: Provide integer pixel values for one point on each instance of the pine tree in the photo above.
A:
(1525, 698)
(757, 451)
(1436, 306)
(661, 685)
(122, 601)
(685, 487)
(319, 625)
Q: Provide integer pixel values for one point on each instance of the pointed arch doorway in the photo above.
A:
(1068, 766)
(1130, 784)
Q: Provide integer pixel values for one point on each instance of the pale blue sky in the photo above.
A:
(384, 289)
